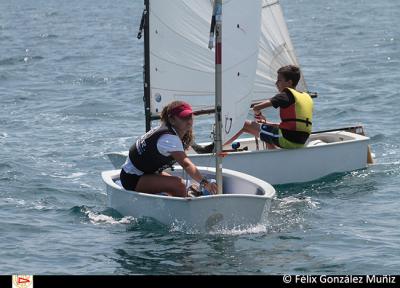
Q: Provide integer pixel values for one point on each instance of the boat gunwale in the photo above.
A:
(110, 176)
(357, 138)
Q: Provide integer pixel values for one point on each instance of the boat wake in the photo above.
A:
(289, 213)
(261, 228)
(98, 218)
(394, 163)
(108, 216)
(286, 214)
(290, 201)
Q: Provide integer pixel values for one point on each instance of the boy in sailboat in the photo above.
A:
(296, 109)
(159, 149)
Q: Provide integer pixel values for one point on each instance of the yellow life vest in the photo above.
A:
(298, 116)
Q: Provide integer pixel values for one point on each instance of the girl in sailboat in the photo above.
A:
(296, 109)
(159, 149)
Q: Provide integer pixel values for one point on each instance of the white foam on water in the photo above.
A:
(19, 202)
(287, 201)
(238, 230)
(96, 218)
(71, 176)
(241, 230)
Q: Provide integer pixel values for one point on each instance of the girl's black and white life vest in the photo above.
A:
(144, 154)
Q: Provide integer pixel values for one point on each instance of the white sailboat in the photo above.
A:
(245, 203)
(242, 200)
(187, 74)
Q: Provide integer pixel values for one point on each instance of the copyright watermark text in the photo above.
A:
(339, 279)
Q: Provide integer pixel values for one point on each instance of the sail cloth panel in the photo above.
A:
(181, 65)
(241, 27)
(275, 50)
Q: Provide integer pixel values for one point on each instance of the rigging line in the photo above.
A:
(270, 4)
(228, 120)
(185, 176)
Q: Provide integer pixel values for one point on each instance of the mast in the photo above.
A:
(218, 93)
(146, 67)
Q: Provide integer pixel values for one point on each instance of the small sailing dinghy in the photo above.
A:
(245, 202)
(178, 66)
(242, 200)
(326, 152)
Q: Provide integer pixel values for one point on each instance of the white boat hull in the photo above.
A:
(326, 153)
(246, 202)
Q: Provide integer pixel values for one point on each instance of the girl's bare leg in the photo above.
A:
(156, 183)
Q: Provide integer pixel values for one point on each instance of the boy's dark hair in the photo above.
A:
(290, 72)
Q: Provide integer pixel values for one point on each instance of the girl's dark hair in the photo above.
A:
(290, 72)
(166, 116)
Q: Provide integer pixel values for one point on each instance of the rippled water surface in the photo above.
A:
(71, 91)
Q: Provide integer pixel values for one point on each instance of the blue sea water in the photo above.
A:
(71, 91)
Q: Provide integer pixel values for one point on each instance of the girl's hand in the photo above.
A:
(259, 117)
(211, 187)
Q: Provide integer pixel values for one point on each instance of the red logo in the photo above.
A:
(23, 280)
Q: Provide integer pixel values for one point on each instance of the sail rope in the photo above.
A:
(270, 4)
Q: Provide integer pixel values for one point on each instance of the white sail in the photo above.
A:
(275, 50)
(240, 34)
(182, 66)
